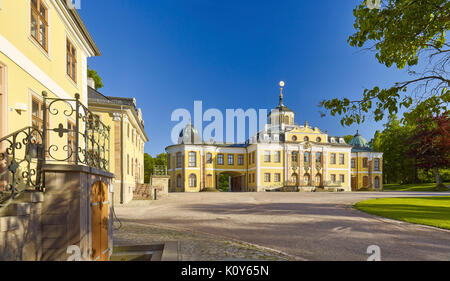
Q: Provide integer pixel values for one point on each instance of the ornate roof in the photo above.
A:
(359, 142)
(189, 135)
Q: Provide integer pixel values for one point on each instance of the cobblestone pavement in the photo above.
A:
(308, 226)
(193, 247)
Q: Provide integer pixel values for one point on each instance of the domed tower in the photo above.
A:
(358, 141)
(281, 115)
(189, 135)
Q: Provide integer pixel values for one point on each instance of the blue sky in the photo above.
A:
(231, 54)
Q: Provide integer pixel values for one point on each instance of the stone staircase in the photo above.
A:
(19, 227)
(142, 192)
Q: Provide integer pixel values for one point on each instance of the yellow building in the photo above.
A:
(127, 140)
(44, 46)
(283, 156)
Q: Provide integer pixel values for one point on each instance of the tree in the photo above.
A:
(150, 162)
(401, 33)
(393, 141)
(430, 144)
(348, 138)
(97, 79)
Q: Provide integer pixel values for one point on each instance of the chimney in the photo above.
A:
(91, 83)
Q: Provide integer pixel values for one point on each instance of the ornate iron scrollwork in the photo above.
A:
(80, 138)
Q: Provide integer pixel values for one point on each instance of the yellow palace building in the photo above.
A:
(283, 156)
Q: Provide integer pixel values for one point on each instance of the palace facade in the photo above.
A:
(283, 156)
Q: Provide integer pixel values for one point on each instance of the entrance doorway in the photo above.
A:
(100, 221)
(231, 181)
(354, 184)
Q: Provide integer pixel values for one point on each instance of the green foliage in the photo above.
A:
(150, 162)
(401, 33)
(397, 166)
(97, 79)
(224, 182)
(348, 138)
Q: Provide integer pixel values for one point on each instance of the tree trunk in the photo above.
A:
(438, 177)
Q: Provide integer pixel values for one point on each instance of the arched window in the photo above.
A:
(318, 180)
(377, 182)
(307, 179)
(286, 120)
(192, 180)
(179, 181)
(294, 178)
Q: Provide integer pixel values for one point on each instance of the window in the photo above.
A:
(179, 160)
(333, 178)
(365, 181)
(230, 159)
(365, 163)
(306, 157)
(342, 178)
(376, 164)
(249, 158)
(377, 182)
(353, 163)
(132, 166)
(307, 179)
(220, 159)
(39, 23)
(179, 181)
(128, 164)
(277, 177)
(254, 157)
(169, 157)
(294, 178)
(209, 158)
(241, 159)
(71, 61)
(294, 138)
(267, 156)
(37, 120)
(318, 140)
(277, 156)
(192, 180)
(318, 157)
(266, 177)
(333, 158)
(294, 156)
(128, 130)
(306, 139)
(341, 159)
(192, 159)
(71, 141)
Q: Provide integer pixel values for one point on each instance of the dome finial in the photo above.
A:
(282, 84)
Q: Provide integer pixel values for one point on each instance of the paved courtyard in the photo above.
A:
(303, 226)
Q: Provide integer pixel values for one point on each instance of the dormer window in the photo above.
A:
(39, 23)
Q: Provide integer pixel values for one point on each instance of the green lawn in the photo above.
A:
(433, 211)
(413, 187)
